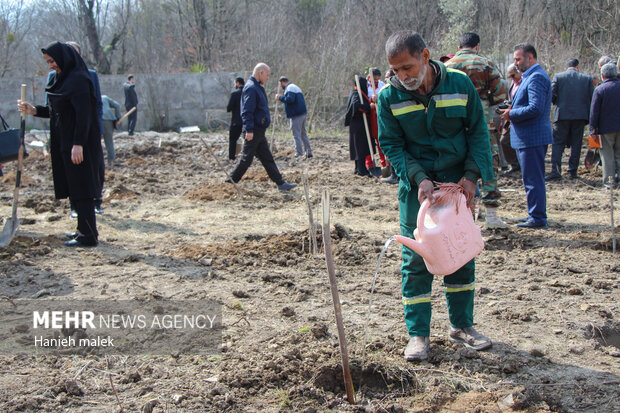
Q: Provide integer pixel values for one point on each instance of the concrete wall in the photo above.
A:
(167, 101)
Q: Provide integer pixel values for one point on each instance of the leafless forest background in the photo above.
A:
(319, 44)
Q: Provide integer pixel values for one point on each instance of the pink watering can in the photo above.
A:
(446, 237)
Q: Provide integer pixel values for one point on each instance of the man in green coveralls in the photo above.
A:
(432, 128)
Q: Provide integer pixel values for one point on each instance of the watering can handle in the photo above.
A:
(421, 215)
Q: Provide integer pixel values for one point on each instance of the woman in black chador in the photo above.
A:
(74, 136)
(358, 142)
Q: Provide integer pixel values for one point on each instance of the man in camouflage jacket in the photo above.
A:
(488, 82)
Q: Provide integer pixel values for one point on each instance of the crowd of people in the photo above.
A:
(436, 125)
(450, 120)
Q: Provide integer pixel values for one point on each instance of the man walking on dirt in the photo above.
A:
(295, 108)
(131, 101)
(256, 120)
(571, 93)
(488, 82)
(432, 129)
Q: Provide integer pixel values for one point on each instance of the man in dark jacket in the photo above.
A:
(604, 121)
(256, 120)
(236, 126)
(571, 93)
(131, 101)
(295, 108)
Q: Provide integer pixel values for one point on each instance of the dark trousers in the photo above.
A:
(532, 162)
(233, 134)
(509, 153)
(86, 221)
(567, 133)
(257, 146)
(131, 121)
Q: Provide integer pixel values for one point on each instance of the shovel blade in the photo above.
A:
(8, 232)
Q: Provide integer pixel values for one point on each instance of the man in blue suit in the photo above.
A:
(530, 132)
(571, 93)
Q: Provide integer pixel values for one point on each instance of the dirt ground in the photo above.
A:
(173, 229)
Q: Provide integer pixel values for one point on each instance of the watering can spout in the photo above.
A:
(414, 245)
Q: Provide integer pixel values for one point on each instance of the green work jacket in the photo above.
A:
(441, 136)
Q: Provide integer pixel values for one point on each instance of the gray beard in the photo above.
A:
(418, 81)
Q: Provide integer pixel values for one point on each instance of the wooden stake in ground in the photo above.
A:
(221, 167)
(611, 204)
(327, 242)
(312, 228)
(359, 93)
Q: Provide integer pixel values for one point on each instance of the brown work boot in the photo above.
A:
(470, 337)
(417, 348)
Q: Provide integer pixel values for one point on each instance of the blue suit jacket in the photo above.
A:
(530, 123)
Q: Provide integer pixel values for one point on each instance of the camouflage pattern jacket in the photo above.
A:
(484, 75)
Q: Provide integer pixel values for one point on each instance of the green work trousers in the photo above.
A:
(417, 281)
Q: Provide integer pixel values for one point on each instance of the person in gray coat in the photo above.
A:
(571, 93)
(110, 116)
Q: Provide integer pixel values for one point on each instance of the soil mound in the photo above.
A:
(9, 179)
(121, 192)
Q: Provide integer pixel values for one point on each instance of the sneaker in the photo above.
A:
(417, 348)
(73, 213)
(493, 222)
(391, 180)
(98, 210)
(470, 337)
(286, 186)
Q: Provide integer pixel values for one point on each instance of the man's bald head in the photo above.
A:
(261, 73)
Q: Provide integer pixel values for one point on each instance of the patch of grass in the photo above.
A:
(282, 398)
(304, 329)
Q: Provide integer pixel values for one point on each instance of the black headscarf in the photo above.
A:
(73, 76)
(363, 85)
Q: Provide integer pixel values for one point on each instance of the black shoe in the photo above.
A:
(309, 156)
(572, 175)
(553, 177)
(532, 225)
(81, 242)
(72, 235)
(363, 173)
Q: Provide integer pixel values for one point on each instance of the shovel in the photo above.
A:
(11, 224)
